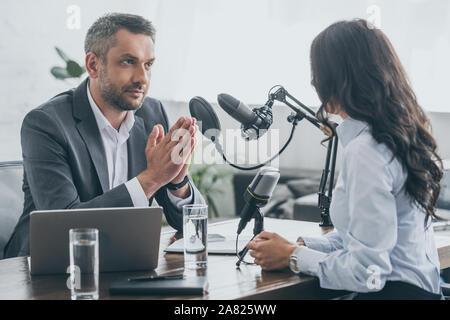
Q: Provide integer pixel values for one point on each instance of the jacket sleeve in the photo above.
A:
(48, 171)
(174, 214)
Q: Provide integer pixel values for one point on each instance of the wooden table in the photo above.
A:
(226, 281)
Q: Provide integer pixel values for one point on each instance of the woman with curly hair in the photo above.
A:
(383, 245)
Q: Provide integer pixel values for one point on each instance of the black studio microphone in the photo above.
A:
(204, 112)
(252, 120)
(257, 195)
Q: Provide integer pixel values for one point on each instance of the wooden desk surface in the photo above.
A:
(225, 280)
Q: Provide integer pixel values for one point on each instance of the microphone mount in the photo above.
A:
(324, 201)
(283, 96)
(257, 229)
(251, 132)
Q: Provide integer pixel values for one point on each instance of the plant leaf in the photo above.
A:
(209, 181)
(74, 69)
(62, 54)
(59, 73)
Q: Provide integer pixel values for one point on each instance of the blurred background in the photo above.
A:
(206, 47)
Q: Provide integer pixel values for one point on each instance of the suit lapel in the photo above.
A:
(88, 129)
(136, 148)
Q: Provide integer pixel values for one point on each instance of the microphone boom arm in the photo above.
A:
(324, 200)
(282, 95)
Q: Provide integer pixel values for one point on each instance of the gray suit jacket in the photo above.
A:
(65, 164)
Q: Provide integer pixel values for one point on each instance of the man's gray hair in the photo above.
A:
(100, 36)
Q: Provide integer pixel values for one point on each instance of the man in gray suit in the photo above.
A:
(104, 143)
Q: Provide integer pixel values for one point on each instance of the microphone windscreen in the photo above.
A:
(204, 112)
(265, 182)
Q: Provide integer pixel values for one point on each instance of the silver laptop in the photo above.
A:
(128, 238)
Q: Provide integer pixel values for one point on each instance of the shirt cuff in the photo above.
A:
(308, 260)
(180, 202)
(321, 244)
(137, 194)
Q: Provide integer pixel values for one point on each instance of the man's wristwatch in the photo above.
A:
(176, 186)
(293, 261)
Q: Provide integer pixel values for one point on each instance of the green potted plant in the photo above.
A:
(209, 180)
(70, 71)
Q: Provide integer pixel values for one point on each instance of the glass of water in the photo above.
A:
(84, 264)
(195, 233)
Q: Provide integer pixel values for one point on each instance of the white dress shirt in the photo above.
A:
(116, 152)
(379, 233)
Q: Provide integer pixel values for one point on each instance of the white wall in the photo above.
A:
(208, 47)
(305, 150)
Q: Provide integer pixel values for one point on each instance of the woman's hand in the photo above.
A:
(271, 251)
(300, 242)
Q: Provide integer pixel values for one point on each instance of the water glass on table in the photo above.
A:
(84, 262)
(195, 233)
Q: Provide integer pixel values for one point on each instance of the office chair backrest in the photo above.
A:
(11, 199)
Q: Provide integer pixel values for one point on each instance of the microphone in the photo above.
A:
(252, 121)
(257, 195)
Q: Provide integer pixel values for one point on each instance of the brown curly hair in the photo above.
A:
(355, 67)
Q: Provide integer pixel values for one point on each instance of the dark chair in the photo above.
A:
(445, 274)
(11, 199)
(242, 179)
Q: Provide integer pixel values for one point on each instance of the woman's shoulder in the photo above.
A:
(364, 150)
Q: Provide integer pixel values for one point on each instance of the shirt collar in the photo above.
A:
(349, 129)
(102, 122)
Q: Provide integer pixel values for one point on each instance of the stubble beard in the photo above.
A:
(114, 96)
